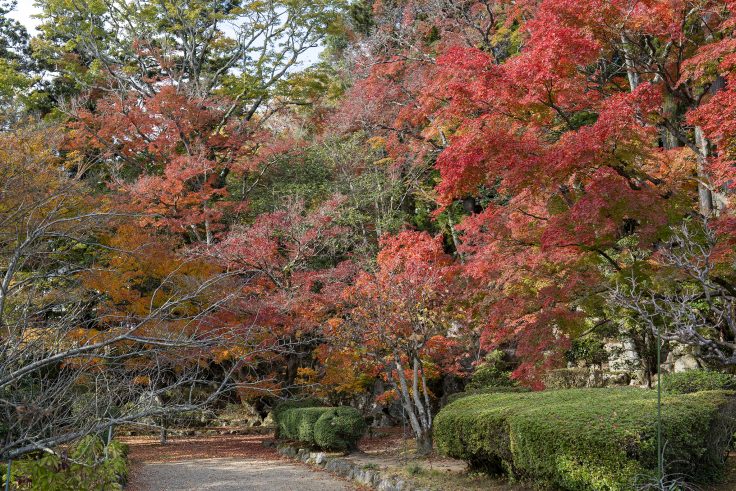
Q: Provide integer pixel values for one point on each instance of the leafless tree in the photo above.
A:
(691, 302)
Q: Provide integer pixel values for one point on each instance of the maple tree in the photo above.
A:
(398, 319)
(566, 126)
(449, 178)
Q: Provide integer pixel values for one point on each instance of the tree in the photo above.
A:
(86, 341)
(398, 318)
(15, 65)
(289, 258)
(569, 130)
(689, 299)
(173, 104)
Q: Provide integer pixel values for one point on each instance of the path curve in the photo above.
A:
(221, 463)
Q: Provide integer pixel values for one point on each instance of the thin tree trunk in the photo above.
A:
(705, 196)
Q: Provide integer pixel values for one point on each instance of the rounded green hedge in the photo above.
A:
(280, 408)
(588, 439)
(331, 428)
(298, 423)
(339, 428)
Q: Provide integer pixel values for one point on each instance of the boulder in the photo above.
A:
(685, 363)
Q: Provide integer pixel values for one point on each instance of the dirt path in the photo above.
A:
(220, 463)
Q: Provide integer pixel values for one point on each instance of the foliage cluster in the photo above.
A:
(491, 373)
(88, 464)
(339, 428)
(588, 439)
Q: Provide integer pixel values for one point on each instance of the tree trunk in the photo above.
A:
(419, 412)
(425, 442)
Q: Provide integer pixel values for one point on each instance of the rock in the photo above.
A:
(685, 363)
(622, 356)
(612, 379)
(268, 421)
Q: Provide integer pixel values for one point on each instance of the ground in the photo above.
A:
(237, 462)
(392, 451)
(220, 463)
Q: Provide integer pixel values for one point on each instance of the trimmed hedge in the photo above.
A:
(298, 423)
(333, 428)
(284, 406)
(696, 381)
(487, 390)
(588, 439)
(339, 428)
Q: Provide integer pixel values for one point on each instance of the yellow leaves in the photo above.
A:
(377, 143)
(141, 380)
(232, 352)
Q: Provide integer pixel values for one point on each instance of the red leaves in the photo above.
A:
(403, 307)
(180, 147)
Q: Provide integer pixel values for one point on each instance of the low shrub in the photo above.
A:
(298, 423)
(87, 464)
(588, 439)
(284, 406)
(339, 428)
(492, 372)
(696, 381)
(333, 428)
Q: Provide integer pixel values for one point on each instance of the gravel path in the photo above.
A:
(221, 463)
(235, 475)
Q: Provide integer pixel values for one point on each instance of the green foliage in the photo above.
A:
(588, 439)
(334, 428)
(697, 380)
(282, 407)
(339, 428)
(298, 423)
(486, 390)
(87, 465)
(491, 373)
(568, 378)
(587, 349)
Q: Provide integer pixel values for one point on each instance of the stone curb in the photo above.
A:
(348, 469)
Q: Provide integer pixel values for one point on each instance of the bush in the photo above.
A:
(333, 428)
(491, 373)
(339, 428)
(588, 439)
(298, 423)
(589, 350)
(696, 381)
(282, 407)
(85, 468)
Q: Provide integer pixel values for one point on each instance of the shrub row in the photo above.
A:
(330, 428)
(588, 439)
(697, 380)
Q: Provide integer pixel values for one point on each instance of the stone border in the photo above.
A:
(348, 469)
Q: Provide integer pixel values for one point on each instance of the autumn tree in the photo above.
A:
(399, 317)
(87, 344)
(576, 134)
